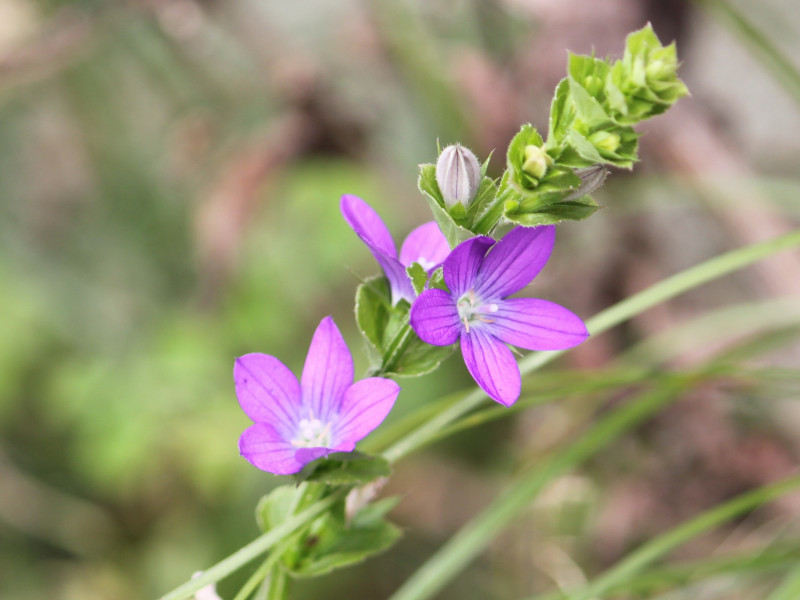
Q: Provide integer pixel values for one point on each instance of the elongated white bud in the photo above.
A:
(458, 174)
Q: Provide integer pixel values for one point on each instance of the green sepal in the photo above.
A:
(345, 468)
(418, 276)
(454, 232)
(331, 543)
(483, 212)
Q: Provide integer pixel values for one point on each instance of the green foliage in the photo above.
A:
(590, 125)
(393, 347)
(345, 468)
(331, 542)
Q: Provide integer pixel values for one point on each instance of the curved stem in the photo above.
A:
(396, 349)
(252, 550)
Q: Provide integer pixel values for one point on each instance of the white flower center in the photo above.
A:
(425, 263)
(312, 433)
(472, 311)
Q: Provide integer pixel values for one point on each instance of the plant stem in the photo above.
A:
(251, 550)
(396, 349)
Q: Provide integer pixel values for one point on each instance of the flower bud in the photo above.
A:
(537, 161)
(605, 140)
(458, 174)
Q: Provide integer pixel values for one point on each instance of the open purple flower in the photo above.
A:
(480, 275)
(425, 245)
(297, 422)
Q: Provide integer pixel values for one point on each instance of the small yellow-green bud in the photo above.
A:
(537, 161)
(593, 85)
(658, 69)
(458, 174)
(605, 140)
(510, 206)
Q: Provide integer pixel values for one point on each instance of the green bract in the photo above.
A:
(644, 83)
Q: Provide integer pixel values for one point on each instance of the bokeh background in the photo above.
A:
(170, 172)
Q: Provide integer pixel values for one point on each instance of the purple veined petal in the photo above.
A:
(365, 406)
(426, 245)
(434, 318)
(399, 282)
(268, 391)
(461, 267)
(327, 373)
(492, 365)
(367, 224)
(536, 324)
(267, 449)
(514, 261)
(373, 232)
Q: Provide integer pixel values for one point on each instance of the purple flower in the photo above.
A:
(481, 274)
(325, 412)
(425, 245)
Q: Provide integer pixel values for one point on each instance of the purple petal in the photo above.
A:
(306, 455)
(492, 365)
(461, 267)
(536, 325)
(514, 261)
(366, 404)
(434, 318)
(268, 391)
(367, 224)
(264, 447)
(425, 245)
(327, 373)
(372, 231)
(399, 282)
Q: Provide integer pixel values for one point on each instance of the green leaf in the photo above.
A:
(419, 358)
(282, 502)
(418, 276)
(332, 544)
(568, 210)
(373, 312)
(588, 109)
(562, 113)
(345, 468)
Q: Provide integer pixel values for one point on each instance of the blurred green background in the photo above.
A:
(170, 172)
